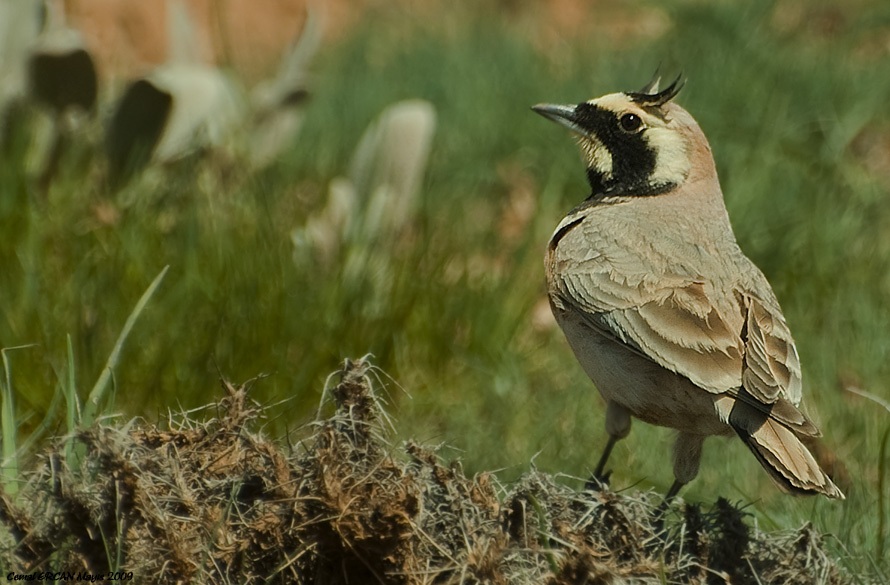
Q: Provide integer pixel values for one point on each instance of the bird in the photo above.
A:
(667, 316)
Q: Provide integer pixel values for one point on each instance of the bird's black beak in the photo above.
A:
(564, 115)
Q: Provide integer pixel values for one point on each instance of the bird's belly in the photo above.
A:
(650, 392)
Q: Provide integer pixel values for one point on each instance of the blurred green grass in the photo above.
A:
(787, 112)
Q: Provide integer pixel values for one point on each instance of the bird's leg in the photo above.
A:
(672, 493)
(687, 457)
(600, 477)
(618, 427)
(663, 506)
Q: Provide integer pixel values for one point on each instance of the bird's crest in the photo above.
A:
(650, 96)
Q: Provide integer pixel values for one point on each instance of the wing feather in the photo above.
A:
(772, 367)
(722, 336)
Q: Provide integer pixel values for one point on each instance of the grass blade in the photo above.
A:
(880, 540)
(72, 404)
(97, 394)
(10, 465)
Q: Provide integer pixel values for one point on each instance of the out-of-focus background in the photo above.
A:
(357, 177)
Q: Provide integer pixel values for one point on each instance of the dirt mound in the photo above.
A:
(215, 502)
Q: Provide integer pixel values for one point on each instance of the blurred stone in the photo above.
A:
(20, 23)
(61, 72)
(179, 107)
(390, 161)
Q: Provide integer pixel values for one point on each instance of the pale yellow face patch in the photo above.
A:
(596, 155)
(672, 159)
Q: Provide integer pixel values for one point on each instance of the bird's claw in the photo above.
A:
(598, 481)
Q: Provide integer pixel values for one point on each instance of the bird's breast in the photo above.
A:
(650, 392)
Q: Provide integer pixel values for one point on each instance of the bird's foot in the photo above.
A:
(661, 510)
(598, 481)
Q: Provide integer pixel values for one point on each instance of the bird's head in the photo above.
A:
(635, 143)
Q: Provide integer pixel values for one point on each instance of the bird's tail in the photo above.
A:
(783, 455)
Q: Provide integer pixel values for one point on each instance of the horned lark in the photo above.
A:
(668, 317)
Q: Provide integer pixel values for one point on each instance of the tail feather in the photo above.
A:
(782, 454)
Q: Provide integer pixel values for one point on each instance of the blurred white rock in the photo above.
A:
(366, 213)
(204, 108)
(389, 164)
(19, 27)
(323, 233)
(61, 72)
(48, 82)
(180, 107)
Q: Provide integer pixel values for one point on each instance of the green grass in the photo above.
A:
(454, 327)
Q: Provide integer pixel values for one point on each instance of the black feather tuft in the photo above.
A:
(645, 98)
(652, 86)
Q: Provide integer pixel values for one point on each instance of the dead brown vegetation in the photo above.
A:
(216, 502)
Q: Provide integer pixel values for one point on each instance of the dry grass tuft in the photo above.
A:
(215, 502)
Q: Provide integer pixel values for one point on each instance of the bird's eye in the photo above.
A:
(630, 123)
